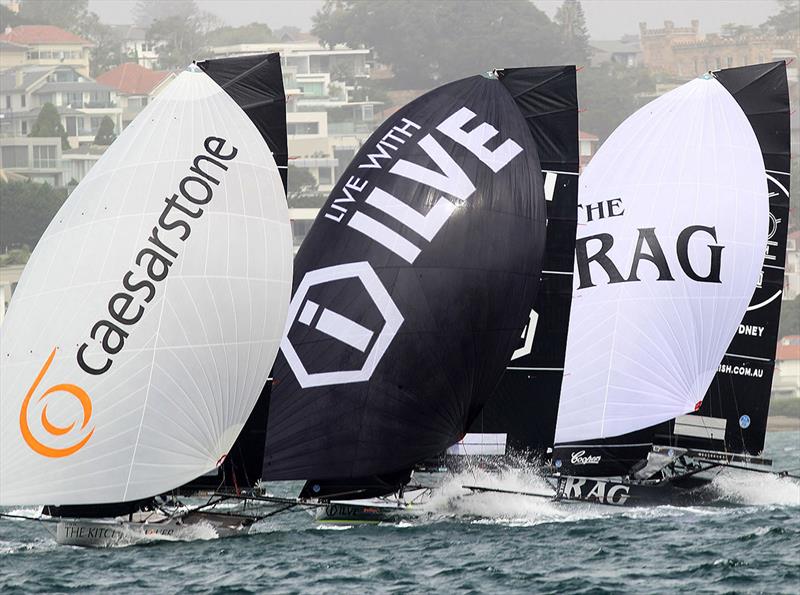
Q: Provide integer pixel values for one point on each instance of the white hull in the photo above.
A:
(116, 532)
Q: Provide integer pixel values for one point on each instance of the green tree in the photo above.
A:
(301, 183)
(26, 209)
(787, 18)
(105, 132)
(107, 50)
(9, 18)
(252, 33)
(610, 93)
(572, 22)
(48, 124)
(147, 12)
(428, 43)
(179, 31)
(67, 14)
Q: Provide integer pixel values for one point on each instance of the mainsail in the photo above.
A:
(410, 289)
(674, 218)
(147, 319)
(522, 413)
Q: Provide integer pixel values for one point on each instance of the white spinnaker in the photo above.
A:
(191, 370)
(640, 353)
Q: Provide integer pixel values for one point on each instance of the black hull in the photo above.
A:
(682, 491)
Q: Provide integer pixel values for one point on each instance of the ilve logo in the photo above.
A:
(50, 428)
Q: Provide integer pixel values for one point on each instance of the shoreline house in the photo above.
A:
(47, 45)
(81, 102)
(135, 86)
(786, 382)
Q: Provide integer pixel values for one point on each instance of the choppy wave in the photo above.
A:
(743, 487)
(476, 543)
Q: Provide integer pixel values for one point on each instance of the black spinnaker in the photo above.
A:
(524, 408)
(410, 290)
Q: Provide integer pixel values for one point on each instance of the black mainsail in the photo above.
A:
(523, 410)
(410, 289)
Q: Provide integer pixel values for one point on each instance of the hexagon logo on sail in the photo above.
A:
(339, 327)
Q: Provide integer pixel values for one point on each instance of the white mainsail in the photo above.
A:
(150, 313)
(674, 212)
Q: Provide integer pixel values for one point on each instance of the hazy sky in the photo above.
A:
(607, 19)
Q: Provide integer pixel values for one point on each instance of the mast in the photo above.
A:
(410, 289)
(666, 265)
(523, 410)
(148, 317)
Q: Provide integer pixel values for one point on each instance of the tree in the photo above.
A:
(787, 18)
(301, 183)
(608, 95)
(107, 50)
(27, 208)
(147, 12)
(67, 14)
(252, 33)
(48, 124)
(430, 43)
(9, 18)
(178, 29)
(105, 132)
(572, 22)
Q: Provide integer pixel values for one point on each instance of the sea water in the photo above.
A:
(481, 543)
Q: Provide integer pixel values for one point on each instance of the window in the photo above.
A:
(300, 128)
(14, 156)
(8, 101)
(367, 113)
(22, 100)
(730, 61)
(44, 156)
(325, 176)
(23, 127)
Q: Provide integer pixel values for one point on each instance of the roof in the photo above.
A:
(8, 46)
(788, 348)
(72, 87)
(41, 35)
(586, 136)
(132, 79)
(29, 75)
(616, 47)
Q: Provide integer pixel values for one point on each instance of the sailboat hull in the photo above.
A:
(679, 491)
(117, 532)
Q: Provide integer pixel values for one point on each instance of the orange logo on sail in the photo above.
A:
(49, 427)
